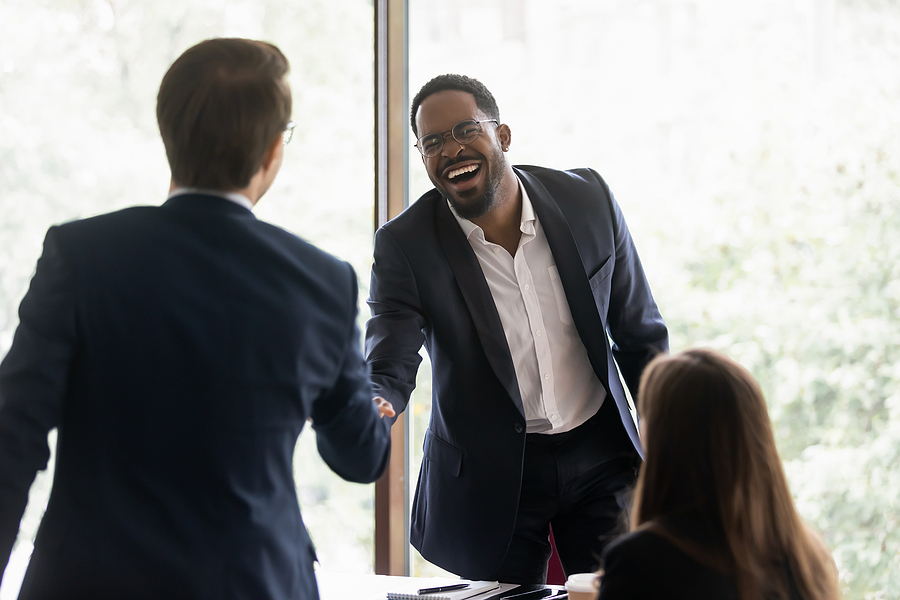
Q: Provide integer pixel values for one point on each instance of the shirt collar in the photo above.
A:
(235, 197)
(527, 220)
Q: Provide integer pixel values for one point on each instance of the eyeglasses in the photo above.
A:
(288, 133)
(464, 133)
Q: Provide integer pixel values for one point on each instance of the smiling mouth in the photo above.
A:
(463, 173)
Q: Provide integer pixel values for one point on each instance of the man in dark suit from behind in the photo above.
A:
(179, 350)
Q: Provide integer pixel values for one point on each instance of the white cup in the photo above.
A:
(582, 586)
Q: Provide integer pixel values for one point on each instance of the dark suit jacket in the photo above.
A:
(179, 350)
(646, 566)
(428, 287)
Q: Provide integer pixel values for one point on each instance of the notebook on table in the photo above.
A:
(473, 590)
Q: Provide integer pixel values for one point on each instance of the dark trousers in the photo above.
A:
(580, 482)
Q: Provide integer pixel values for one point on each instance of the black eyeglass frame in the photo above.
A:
(463, 142)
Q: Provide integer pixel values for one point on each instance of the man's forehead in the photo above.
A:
(442, 110)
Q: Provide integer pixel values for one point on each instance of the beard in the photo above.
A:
(480, 205)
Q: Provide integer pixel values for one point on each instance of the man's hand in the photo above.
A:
(385, 408)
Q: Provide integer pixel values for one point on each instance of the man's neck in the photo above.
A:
(502, 224)
(238, 197)
(250, 192)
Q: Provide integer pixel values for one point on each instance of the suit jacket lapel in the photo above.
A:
(571, 273)
(478, 298)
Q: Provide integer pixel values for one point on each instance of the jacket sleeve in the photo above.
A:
(635, 325)
(33, 380)
(351, 437)
(394, 333)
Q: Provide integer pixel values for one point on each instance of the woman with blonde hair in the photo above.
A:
(713, 516)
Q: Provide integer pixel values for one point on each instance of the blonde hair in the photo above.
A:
(709, 448)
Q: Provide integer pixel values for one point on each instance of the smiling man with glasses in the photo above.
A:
(515, 279)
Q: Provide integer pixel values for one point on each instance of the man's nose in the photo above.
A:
(451, 147)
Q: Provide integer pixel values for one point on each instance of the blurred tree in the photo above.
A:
(755, 150)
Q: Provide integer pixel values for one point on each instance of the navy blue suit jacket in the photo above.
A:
(179, 351)
(427, 287)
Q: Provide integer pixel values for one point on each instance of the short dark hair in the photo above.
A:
(484, 100)
(220, 106)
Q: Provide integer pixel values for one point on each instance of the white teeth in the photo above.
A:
(457, 172)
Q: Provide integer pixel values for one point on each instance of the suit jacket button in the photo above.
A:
(519, 428)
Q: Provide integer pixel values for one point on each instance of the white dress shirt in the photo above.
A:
(233, 196)
(559, 388)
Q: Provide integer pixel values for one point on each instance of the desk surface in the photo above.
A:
(357, 586)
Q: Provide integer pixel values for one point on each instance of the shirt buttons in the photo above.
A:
(546, 375)
(527, 287)
(538, 333)
(554, 417)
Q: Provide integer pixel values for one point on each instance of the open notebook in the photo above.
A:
(474, 591)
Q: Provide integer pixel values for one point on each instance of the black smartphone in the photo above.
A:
(532, 595)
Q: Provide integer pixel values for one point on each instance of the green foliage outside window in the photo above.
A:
(755, 151)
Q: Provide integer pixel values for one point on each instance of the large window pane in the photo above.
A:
(78, 136)
(755, 150)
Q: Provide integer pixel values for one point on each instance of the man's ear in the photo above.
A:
(271, 154)
(504, 136)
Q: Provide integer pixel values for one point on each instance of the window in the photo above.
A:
(755, 151)
(78, 137)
